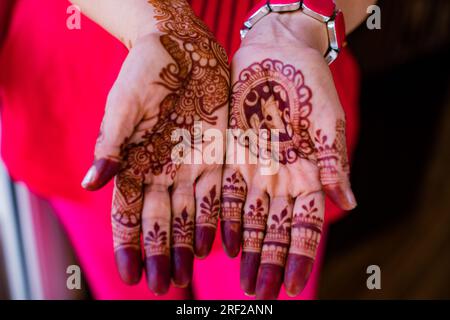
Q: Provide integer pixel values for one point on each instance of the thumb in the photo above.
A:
(121, 117)
(332, 160)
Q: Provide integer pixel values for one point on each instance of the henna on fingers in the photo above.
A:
(254, 226)
(333, 164)
(274, 251)
(126, 225)
(156, 245)
(182, 251)
(182, 234)
(307, 224)
(206, 222)
(234, 191)
(156, 225)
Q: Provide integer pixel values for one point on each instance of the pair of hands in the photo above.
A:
(177, 77)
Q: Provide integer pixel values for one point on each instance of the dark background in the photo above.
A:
(401, 169)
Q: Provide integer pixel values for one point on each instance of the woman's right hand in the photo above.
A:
(175, 78)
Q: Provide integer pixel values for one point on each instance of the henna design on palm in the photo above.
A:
(272, 95)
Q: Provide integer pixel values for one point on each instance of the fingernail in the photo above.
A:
(100, 173)
(342, 196)
(270, 278)
(351, 198)
(249, 272)
(129, 264)
(298, 270)
(231, 237)
(204, 239)
(182, 262)
(89, 178)
(158, 274)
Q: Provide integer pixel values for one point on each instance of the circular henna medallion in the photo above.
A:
(273, 96)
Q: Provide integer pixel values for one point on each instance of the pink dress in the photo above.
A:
(54, 82)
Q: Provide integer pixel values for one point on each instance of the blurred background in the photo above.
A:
(401, 169)
(400, 173)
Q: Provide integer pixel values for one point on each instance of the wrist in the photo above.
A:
(287, 29)
(125, 20)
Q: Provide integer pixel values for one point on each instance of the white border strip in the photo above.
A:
(29, 240)
(15, 269)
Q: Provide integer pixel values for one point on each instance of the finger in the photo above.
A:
(254, 225)
(234, 190)
(332, 160)
(275, 249)
(126, 225)
(207, 193)
(307, 223)
(119, 121)
(183, 210)
(156, 218)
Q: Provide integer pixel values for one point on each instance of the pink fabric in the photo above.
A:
(54, 83)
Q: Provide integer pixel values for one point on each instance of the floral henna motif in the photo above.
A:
(209, 210)
(277, 238)
(126, 211)
(233, 197)
(197, 80)
(341, 145)
(155, 242)
(272, 95)
(198, 84)
(306, 231)
(183, 231)
(254, 227)
(332, 158)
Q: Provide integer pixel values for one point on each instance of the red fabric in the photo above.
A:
(54, 84)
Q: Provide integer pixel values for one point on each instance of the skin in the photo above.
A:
(290, 88)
